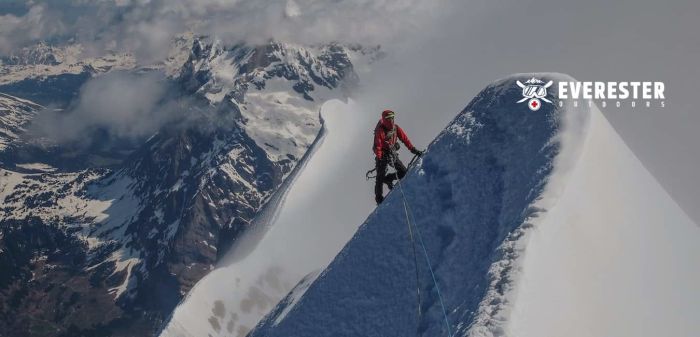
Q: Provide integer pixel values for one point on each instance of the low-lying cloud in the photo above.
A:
(124, 105)
(146, 28)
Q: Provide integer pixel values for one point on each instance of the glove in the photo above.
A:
(417, 152)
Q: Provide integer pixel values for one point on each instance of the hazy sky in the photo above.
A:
(437, 73)
(441, 53)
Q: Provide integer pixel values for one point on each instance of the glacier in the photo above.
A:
(536, 224)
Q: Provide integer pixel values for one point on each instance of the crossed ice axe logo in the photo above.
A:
(534, 91)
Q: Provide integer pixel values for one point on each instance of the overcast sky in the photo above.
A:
(441, 53)
(457, 55)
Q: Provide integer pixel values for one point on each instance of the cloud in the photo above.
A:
(146, 27)
(129, 106)
(124, 105)
(36, 24)
(428, 78)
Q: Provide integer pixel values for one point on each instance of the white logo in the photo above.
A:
(533, 91)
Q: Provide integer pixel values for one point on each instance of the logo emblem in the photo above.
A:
(533, 91)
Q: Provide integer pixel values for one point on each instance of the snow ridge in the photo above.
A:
(479, 189)
(494, 309)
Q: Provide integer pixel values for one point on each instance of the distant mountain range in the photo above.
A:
(107, 241)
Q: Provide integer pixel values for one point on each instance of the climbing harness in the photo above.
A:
(409, 214)
(369, 175)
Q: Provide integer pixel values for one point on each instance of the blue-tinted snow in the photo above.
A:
(471, 194)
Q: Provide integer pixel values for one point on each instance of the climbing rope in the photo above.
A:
(408, 211)
(415, 263)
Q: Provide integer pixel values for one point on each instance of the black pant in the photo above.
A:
(382, 178)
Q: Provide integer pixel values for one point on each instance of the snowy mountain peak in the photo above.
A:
(44, 61)
(272, 87)
(472, 197)
(41, 54)
(512, 220)
(216, 70)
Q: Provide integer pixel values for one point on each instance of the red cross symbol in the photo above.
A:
(534, 104)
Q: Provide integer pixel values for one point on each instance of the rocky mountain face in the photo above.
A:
(15, 113)
(42, 53)
(111, 250)
(51, 75)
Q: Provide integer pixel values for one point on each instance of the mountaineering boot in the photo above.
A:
(390, 178)
(379, 199)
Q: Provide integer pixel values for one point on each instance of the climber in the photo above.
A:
(385, 149)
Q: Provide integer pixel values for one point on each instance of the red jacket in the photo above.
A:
(385, 135)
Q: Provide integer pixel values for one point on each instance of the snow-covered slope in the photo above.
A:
(300, 235)
(616, 256)
(43, 60)
(15, 114)
(496, 176)
(52, 74)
